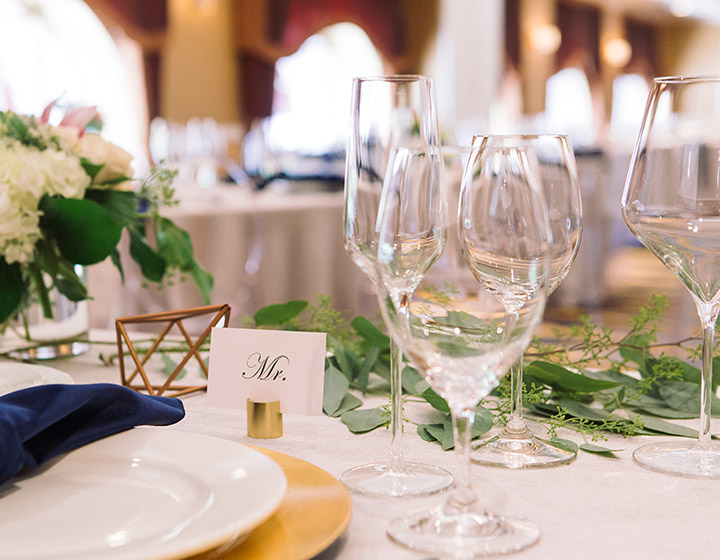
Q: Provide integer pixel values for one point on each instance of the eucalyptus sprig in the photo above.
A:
(584, 377)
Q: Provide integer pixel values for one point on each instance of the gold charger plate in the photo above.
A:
(315, 511)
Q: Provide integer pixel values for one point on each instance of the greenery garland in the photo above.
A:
(583, 377)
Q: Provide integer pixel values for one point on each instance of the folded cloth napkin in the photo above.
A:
(38, 423)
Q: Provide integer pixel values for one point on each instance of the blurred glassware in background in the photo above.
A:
(201, 150)
(272, 158)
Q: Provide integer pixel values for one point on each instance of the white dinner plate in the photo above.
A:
(148, 493)
(15, 376)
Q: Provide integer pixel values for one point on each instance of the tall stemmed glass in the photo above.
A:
(464, 342)
(671, 203)
(386, 112)
(552, 156)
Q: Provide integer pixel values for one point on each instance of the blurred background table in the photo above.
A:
(262, 247)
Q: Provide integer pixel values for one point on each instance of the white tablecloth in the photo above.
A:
(594, 508)
(261, 247)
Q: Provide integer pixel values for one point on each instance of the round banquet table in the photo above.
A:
(593, 508)
(262, 247)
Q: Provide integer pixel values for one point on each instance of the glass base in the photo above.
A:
(681, 458)
(466, 534)
(377, 480)
(50, 351)
(519, 450)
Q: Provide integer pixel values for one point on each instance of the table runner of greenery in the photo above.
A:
(583, 376)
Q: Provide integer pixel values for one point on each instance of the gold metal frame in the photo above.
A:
(172, 318)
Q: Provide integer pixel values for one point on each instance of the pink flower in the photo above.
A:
(75, 118)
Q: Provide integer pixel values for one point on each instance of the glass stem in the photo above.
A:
(396, 427)
(708, 317)
(462, 497)
(396, 420)
(41, 291)
(516, 422)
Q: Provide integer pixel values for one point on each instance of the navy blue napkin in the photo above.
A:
(39, 423)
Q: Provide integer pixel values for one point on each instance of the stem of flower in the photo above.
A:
(41, 290)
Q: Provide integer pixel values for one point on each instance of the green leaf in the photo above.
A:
(371, 333)
(580, 410)
(382, 367)
(563, 444)
(684, 396)
(348, 361)
(169, 367)
(204, 282)
(279, 314)
(424, 432)
(115, 258)
(443, 433)
(639, 354)
(665, 413)
(349, 402)
(563, 379)
(72, 288)
(364, 420)
(174, 244)
(447, 441)
(84, 231)
(152, 265)
(121, 206)
(600, 450)
(92, 169)
(435, 400)
(658, 407)
(691, 373)
(413, 383)
(334, 389)
(662, 427)
(12, 290)
(365, 367)
(612, 376)
(484, 421)
(47, 259)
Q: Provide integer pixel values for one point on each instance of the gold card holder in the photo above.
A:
(170, 387)
(264, 420)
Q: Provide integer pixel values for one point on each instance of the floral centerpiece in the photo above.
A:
(66, 196)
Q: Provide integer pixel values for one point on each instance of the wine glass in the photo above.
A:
(386, 112)
(464, 342)
(671, 203)
(552, 156)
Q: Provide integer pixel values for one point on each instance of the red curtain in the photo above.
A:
(642, 39)
(290, 22)
(580, 29)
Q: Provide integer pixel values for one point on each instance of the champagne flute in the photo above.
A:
(671, 203)
(552, 156)
(386, 112)
(464, 342)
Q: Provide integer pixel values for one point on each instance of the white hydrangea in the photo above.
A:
(26, 175)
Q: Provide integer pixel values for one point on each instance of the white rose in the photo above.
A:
(116, 161)
(67, 135)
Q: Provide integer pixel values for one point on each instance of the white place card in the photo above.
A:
(266, 366)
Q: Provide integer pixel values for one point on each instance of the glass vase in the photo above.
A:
(37, 334)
